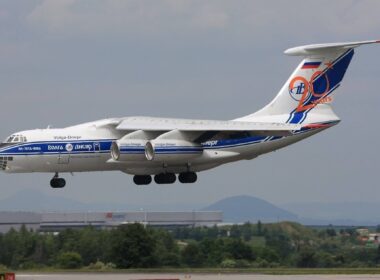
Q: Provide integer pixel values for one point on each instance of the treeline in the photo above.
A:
(134, 246)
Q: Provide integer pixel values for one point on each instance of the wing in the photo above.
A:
(191, 125)
(143, 135)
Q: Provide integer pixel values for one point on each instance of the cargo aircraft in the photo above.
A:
(167, 148)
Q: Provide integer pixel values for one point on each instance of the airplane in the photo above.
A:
(167, 148)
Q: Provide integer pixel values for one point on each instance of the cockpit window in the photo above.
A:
(16, 139)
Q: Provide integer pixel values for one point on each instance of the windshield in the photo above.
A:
(16, 138)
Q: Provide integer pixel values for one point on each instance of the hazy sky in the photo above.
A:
(70, 61)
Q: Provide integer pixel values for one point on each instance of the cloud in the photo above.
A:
(248, 21)
(53, 15)
(74, 16)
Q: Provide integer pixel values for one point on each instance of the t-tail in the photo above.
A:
(307, 95)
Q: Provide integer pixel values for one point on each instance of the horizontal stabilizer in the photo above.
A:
(323, 48)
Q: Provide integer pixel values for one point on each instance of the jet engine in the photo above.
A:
(172, 150)
(128, 150)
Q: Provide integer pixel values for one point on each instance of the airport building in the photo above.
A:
(57, 221)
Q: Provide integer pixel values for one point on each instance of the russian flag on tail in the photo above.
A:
(311, 65)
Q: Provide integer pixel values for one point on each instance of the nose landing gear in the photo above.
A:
(56, 182)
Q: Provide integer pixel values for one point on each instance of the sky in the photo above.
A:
(71, 61)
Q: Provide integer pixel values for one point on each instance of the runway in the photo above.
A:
(117, 276)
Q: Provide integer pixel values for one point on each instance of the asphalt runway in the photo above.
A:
(115, 276)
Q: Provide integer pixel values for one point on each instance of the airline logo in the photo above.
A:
(69, 147)
(297, 89)
(303, 91)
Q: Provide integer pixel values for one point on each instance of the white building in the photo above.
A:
(56, 221)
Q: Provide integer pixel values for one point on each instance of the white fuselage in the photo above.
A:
(86, 148)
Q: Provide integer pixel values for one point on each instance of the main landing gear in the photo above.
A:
(187, 177)
(57, 182)
(166, 178)
(142, 179)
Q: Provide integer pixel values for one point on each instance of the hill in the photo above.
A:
(243, 208)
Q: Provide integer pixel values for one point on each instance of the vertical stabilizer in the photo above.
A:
(307, 94)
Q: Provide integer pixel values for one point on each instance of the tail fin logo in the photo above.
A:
(298, 87)
(305, 93)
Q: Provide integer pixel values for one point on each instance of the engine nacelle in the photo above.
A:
(172, 150)
(128, 150)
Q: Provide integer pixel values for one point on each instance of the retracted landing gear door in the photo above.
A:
(63, 158)
(64, 155)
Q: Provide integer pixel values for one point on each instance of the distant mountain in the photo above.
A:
(243, 208)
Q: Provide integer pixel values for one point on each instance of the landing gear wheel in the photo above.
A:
(187, 177)
(142, 179)
(165, 178)
(57, 183)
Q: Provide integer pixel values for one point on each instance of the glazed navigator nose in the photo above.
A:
(4, 162)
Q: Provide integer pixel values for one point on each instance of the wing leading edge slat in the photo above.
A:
(167, 124)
